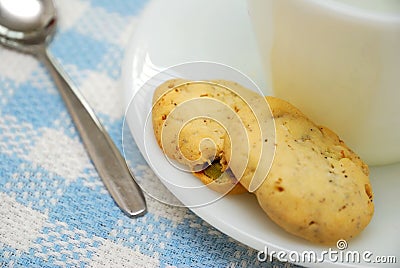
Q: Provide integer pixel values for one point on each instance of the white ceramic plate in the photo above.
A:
(172, 32)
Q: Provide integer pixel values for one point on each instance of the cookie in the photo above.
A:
(317, 188)
(190, 136)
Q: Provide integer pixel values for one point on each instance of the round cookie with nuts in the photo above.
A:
(317, 188)
(187, 130)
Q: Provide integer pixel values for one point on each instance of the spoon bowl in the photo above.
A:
(28, 26)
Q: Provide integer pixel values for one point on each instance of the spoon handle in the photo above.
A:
(105, 156)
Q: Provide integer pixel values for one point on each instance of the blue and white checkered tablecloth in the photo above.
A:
(54, 208)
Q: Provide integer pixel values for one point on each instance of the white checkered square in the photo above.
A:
(110, 254)
(72, 11)
(16, 137)
(58, 153)
(103, 94)
(19, 225)
(16, 66)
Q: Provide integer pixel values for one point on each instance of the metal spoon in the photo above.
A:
(28, 26)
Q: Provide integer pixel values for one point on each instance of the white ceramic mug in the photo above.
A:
(339, 62)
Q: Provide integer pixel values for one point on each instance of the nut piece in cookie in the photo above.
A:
(218, 180)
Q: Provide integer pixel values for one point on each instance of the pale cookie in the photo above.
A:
(198, 142)
(317, 188)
